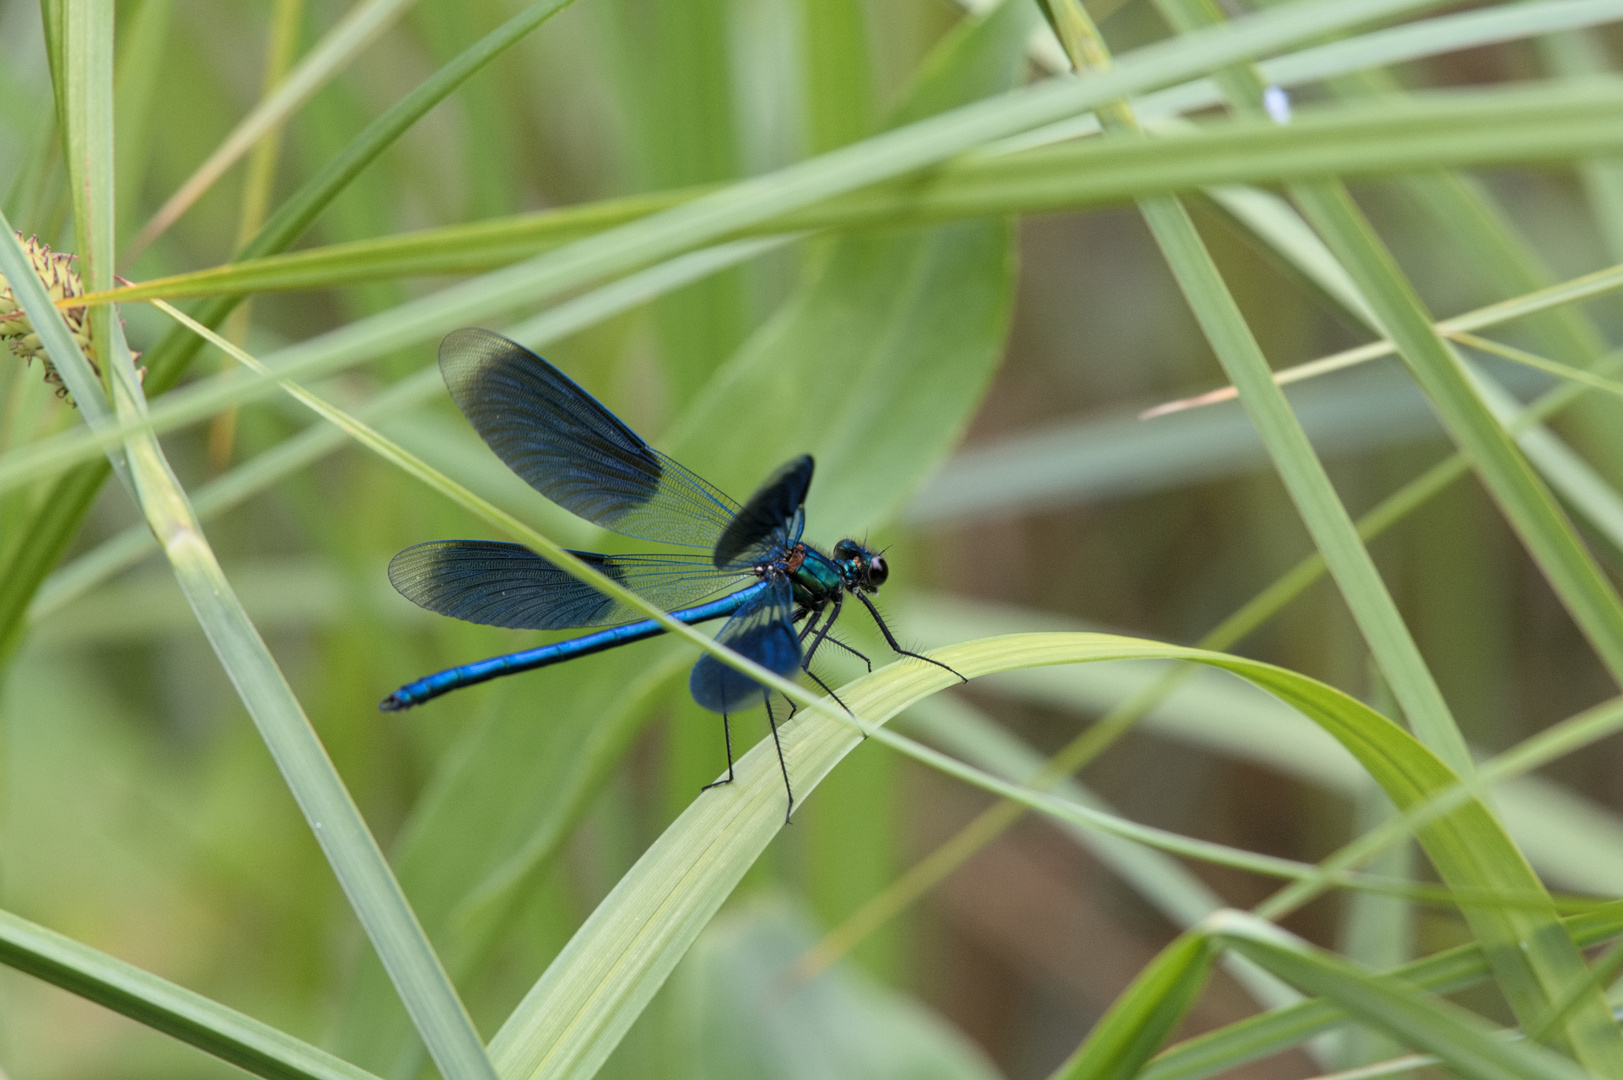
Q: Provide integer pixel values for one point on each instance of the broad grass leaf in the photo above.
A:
(590, 995)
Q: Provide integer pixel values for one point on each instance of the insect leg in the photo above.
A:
(822, 634)
(727, 732)
(783, 765)
(890, 638)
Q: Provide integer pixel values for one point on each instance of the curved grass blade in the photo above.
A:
(574, 1015)
(163, 1006)
(1171, 889)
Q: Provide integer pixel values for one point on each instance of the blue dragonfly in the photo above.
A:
(780, 595)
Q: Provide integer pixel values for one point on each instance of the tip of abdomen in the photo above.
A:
(396, 701)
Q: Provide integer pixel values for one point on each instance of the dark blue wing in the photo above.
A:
(509, 585)
(574, 451)
(771, 519)
(761, 630)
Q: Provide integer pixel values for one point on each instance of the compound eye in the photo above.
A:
(846, 550)
(877, 572)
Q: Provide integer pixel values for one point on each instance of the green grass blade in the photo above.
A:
(1259, 1036)
(1526, 502)
(229, 1035)
(1467, 1044)
(838, 74)
(1321, 509)
(1144, 1015)
(1484, 127)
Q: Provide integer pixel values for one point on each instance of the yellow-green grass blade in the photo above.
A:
(838, 68)
(353, 853)
(1259, 1036)
(574, 1015)
(85, 78)
(229, 1035)
(1568, 838)
(84, 93)
(1465, 1042)
(1555, 742)
(1488, 126)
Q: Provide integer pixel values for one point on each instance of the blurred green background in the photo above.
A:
(971, 392)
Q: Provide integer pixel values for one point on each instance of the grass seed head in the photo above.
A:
(55, 269)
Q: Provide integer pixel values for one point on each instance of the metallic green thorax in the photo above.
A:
(817, 578)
